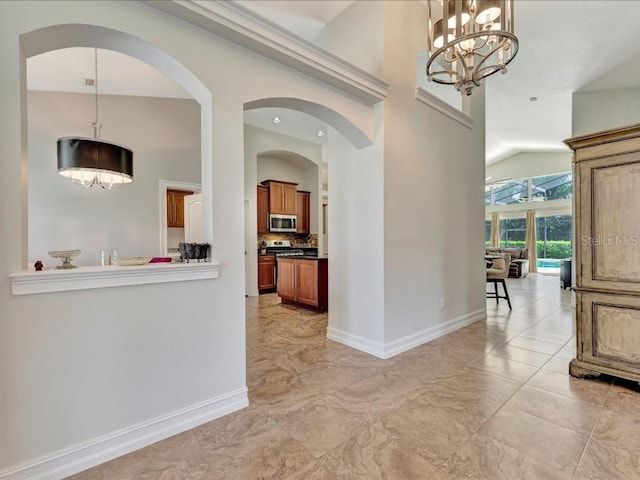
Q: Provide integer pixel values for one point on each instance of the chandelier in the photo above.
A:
(469, 40)
(91, 161)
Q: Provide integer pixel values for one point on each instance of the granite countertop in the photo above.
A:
(309, 257)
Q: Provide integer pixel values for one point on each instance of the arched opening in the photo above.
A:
(64, 36)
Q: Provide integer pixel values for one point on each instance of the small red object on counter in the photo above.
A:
(160, 260)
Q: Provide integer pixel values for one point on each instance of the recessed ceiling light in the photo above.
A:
(533, 99)
(276, 120)
(321, 133)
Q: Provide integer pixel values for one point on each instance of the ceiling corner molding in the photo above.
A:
(443, 107)
(243, 27)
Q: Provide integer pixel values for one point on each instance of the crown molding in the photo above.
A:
(243, 27)
(443, 107)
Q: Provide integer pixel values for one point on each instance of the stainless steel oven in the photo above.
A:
(283, 223)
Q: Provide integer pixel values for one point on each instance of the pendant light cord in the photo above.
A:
(97, 126)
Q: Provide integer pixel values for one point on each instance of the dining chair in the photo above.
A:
(497, 273)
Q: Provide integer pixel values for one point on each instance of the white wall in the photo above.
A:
(356, 242)
(80, 368)
(356, 35)
(530, 164)
(605, 109)
(164, 135)
(433, 187)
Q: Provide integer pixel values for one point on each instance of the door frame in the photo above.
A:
(165, 185)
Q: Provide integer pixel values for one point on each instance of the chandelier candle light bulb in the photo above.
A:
(480, 41)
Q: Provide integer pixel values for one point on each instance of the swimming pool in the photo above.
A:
(548, 263)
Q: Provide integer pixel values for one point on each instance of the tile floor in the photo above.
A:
(490, 401)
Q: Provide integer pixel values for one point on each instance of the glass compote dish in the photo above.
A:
(66, 256)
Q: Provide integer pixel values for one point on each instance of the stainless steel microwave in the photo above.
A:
(283, 223)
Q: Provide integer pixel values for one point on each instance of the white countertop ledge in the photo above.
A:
(84, 278)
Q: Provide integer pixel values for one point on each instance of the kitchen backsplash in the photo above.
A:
(295, 238)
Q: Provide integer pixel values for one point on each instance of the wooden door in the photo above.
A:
(303, 211)
(307, 282)
(192, 218)
(263, 209)
(287, 278)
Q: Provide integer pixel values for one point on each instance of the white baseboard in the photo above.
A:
(391, 349)
(360, 343)
(108, 447)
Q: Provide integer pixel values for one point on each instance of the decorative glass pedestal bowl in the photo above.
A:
(66, 256)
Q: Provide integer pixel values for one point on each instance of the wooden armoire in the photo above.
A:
(606, 178)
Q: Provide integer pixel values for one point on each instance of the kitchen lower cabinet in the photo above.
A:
(304, 281)
(606, 194)
(266, 272)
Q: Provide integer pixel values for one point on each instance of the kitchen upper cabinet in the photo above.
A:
(606, 179)
(302, 211)
(263, 209)
(175, 207)
(266, 272)
(282, 197)
(303, 281)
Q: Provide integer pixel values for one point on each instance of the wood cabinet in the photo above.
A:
(266, 272)
(175, 207)
(606, 178)
(303, 281)
(262, 201)
(303, 210)
(282, 197)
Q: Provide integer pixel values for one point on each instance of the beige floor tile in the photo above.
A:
(535, 345)
(375, 453)
(488, 459)
(618, 430)
(322, 411)
(624, 398)
(589, 390)
(313, 471)
(559, 447)
(516, 354)
(417, 424)
(321, 425)
(175, 457)
(503, 367)
(557, 364)
(606, 462)
(272, 454)
(574, 414)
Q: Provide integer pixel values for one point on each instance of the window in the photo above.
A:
(487, 232)
(513, 232)
(552, 187)
(553, 236)
(512, 192)
(535, 189)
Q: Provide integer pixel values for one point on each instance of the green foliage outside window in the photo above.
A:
(557, 249)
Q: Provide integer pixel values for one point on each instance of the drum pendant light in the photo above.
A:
(91, 161)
